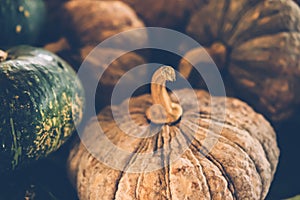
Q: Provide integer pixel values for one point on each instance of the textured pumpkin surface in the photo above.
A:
(38, 93)
(91, 22)
(21, 21)
(165, 13)
(262, 42)
(241, 165)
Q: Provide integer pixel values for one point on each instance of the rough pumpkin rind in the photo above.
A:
(241, 165)
(262, 41)
(91, 22)
(165, 13)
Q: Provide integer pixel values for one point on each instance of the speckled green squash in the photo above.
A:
(21, 21)
(41, 101)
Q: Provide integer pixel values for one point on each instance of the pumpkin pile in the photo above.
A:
(157, 143)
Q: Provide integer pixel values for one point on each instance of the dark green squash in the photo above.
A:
(41, 101)
(21, 21)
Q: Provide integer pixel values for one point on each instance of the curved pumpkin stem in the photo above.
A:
(163, 111)
(3, 56)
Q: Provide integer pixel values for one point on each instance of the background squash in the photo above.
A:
(165, 13)
(91, 22)
(262, 50)
(21, 21)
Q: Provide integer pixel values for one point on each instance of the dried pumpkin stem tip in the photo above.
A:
(3, 56)
(163, 110)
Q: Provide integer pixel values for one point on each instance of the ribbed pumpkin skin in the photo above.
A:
(262, 40)
(37, 90)
(241, 165)
(21, 21)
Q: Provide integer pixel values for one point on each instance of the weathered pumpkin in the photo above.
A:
(240, 165)
(41, 101)
(261, 42)
(91, 22)
(165, 13)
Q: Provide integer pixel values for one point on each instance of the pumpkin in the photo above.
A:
(21, 21)
(91, 22)
(41, 101)
(261, 47)
(165, 13)
(179, 162)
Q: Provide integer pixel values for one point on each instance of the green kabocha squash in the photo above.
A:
(21, 21)
(41, 102)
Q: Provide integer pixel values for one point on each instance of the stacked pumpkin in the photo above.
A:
(256, 46)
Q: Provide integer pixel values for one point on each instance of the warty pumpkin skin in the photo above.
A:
(21, 21)
(262, 50)
(41, 101)
(241, 165)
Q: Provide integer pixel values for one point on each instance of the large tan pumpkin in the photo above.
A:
(241, 164)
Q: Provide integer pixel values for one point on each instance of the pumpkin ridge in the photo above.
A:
(138, 186)
(249, 5)
(131, 159)
(223, 142)
(165, 159)
(202, 160)
(199, 170)
(289, 25)
(251, 134)
(165, 171)
(228, 175)
(255, 36)
(263, 143)
(224, 12)
(117, 184)
(230, 126)
(202, 151)
(211, 159)
(259, 169)
(228, 189)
